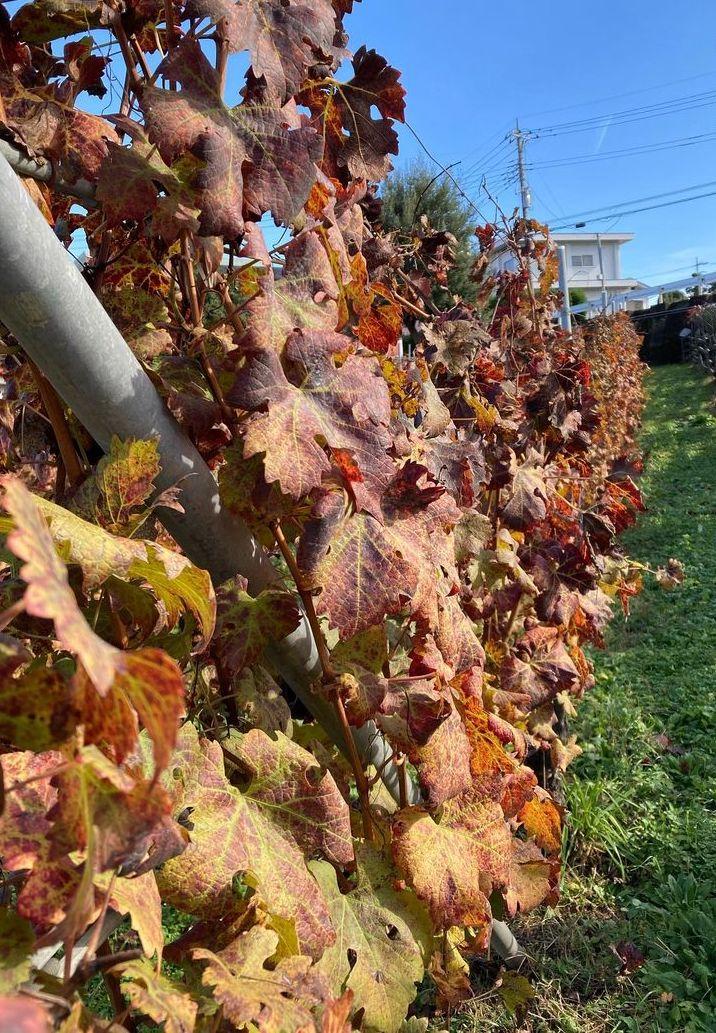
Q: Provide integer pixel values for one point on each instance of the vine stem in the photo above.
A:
(56, 415)
(9, 615)
(513, 616)
(171, 28)
(222, 53)
(420, 313)
(195, 306)
(114, 991)
(329, 676)
(402, 779)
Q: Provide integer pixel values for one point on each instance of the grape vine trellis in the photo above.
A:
(447, 530)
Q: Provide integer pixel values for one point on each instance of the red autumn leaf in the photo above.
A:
(246, 162)
(366, 569)
(316, 402)
(246, 625)
(538, 671)
(355, 140)
(47, 126)
(454, 863)
(631, 958)
(283, 40)
(526, 497)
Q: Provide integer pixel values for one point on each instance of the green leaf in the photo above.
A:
(382, 936)
(17, 940)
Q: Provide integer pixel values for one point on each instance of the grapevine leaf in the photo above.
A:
(543, 823)
(303, 297)
(48, 593)
(23, 1015)
(533, 878)
(126, 478)
(454, 863)
(366, 569)
(147, 682)
(37, 710)
(540, 669)
(260, 701)
(235, 835)
(368, 650)
(101, 806)
(127, 185)
(356, 142)
(23, 824)
(346, 407)
(275, 999)
(139, 898)
(17, 939)
(381, 933)
(178, 585)
(46, 20)
(245, 625)
(286, 780)
(526, 499)
(283, 40)
(343, 406)
(439, 781)
(47, 127)
(247, 160)
(157, 996)
(175, 582)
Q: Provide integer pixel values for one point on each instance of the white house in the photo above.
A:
(593, 264)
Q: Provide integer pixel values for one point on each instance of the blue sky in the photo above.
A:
(471, 67)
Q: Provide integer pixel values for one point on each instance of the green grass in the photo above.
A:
(640, 843)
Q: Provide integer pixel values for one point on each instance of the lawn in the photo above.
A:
(640, 843)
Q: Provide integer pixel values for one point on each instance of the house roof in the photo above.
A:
(584, 238)
(574, 238)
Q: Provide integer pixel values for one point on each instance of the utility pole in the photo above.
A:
(565, 316)
(605, 297)
(697, 276)
(520, 139)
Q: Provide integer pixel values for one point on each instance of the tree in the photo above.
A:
(577, 296)
(409, 194)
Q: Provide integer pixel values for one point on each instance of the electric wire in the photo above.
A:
(616, 206)
(628, 152)
(629, 115)
(620, 96)
(637, 211)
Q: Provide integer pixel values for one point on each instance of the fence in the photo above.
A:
(701, 347)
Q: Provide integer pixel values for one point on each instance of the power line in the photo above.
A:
(631, 115)
(637, 200)
(445, 171)
(584, 159)
(495, 156)
(636, 211)
(619, 96)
